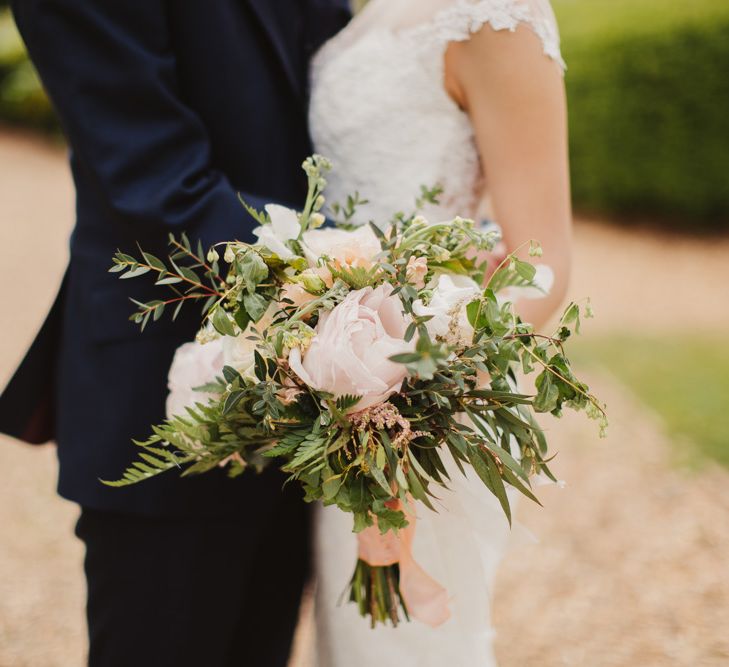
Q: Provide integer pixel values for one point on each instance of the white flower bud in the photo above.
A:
(229, 254)
(319, 203)
(213, 255)
(312, 282)
(316, 220)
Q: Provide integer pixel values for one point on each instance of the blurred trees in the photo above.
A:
(648, 89)
(22, 99)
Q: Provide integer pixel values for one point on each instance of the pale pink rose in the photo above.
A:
(357, 248)
(416, 270)
(350, 352)
(193, 365)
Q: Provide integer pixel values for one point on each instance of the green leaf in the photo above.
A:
(260, 366)
(223, 323)
(154, 262)
(232, 400)
(136, 272)
(380, 478)
(169, 280)
(188, 274)
(547, 393)
(256, 305)
(231, 375)
(525, 269)
(242, 318)
(331, 486)
(253, 270)
(486, 469)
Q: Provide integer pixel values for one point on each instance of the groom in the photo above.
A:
(170, 109)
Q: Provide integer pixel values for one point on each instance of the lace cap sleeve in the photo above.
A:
(458, 20)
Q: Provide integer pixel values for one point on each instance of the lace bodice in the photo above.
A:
(380, 112)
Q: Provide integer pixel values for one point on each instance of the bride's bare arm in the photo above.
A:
(514, 95)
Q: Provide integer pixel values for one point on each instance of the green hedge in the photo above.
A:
(22, 99)
(648, 89)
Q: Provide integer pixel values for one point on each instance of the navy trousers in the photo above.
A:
(193, 592)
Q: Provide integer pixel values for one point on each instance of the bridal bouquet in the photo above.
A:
(357, 359)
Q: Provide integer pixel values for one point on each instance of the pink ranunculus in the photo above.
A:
(417, 269)
(193, 365)
(296, 294)
(350, 352)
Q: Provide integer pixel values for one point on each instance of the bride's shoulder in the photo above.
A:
(459, 20)
(447, 21)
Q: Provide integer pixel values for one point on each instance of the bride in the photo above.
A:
(468, 95)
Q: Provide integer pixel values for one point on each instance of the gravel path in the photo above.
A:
(631, 569)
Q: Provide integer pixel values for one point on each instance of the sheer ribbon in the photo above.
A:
(425, 598)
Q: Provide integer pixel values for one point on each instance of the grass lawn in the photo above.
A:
(685, 380)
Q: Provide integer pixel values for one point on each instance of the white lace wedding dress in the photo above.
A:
(380, 112)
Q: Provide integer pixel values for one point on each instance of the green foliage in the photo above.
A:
(185, 272)
(648, 92)
(684, 379)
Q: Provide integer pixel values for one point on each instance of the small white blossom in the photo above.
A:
(284, 227)
(316, 220)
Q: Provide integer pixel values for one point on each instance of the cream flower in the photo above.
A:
(447, 308)
(284, 227)
(351, 349)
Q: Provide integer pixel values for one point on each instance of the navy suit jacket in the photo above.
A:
(170, 109)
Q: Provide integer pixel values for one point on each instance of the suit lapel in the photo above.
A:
(266, 16)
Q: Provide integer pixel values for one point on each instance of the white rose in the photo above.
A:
(284, 227)
(447, 308)
(193, 365)
(238, 350)
(238, 354)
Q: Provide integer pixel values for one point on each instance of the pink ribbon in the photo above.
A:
(426, 599)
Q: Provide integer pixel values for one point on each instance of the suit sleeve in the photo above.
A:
(110, 70)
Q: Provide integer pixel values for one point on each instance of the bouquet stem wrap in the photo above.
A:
(425, 599)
